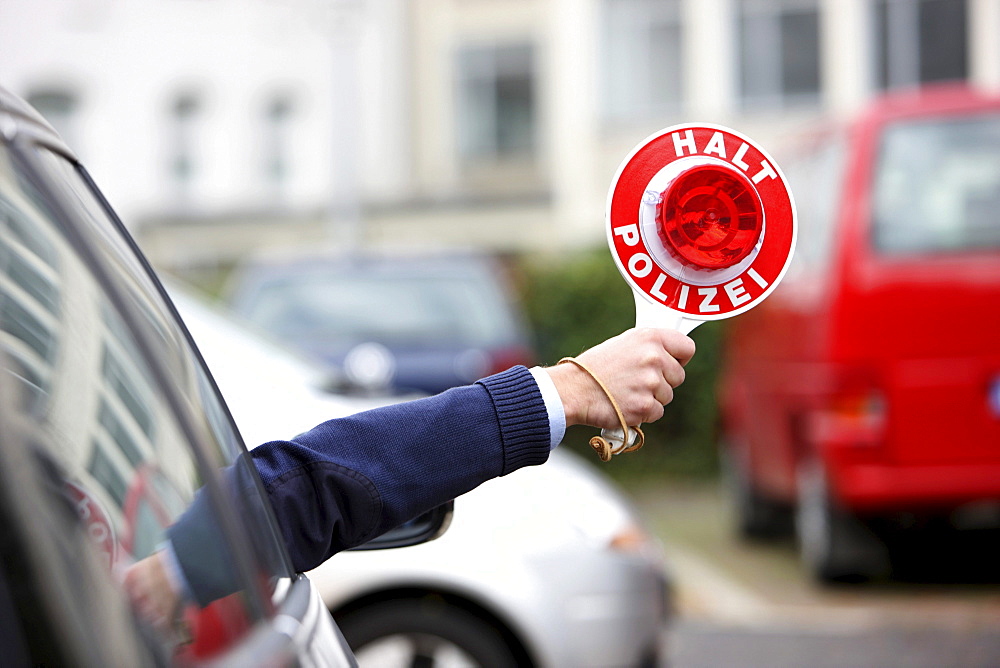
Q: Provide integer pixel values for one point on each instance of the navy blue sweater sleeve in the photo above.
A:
(350, 479)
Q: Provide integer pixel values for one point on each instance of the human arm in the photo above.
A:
(389, 465)
(348, 480)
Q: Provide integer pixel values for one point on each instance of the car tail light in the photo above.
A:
(863, 409)
(710, 217)
(855, 418)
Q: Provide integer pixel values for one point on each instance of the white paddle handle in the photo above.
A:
(648, 314)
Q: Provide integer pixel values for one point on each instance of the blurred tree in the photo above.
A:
(576, 301)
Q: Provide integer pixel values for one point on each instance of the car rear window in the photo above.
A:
(937, 186)
(415, 308)
(815, 174)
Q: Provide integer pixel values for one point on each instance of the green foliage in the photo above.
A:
(576, 302)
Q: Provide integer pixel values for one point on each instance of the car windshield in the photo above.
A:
(937, 186)
(118, 414)
(414, 308)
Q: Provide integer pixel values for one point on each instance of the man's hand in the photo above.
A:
(149, 589)
(640, 367)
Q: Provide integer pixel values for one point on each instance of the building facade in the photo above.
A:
(222, 128)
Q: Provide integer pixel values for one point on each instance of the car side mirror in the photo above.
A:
(421, 529)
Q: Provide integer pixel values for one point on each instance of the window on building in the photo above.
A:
(779, 53)
(59, 108)
(275, 166)
(641, 66)
(496, 102)
(920, 41)
(185, 118)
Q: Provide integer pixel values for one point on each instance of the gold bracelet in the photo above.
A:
(600, 444)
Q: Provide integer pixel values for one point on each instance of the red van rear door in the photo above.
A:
(930, 292)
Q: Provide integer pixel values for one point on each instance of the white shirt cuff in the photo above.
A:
(553, 404)
(173, 571)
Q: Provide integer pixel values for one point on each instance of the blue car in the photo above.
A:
(406, 323)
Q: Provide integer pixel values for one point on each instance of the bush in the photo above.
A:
(576, 302)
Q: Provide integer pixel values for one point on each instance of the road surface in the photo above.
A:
(744, 604)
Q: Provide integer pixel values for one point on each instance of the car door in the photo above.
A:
(112, 436)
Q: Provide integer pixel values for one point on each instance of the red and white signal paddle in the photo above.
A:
(702, 225)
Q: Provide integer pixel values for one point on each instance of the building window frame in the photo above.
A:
(497, 102)
(641, 59)
(769, 77)
(276, 163)
(60, 107)
(186, 116)
(909, 37)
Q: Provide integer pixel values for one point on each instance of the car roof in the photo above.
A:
(256, 373)
(15, 110)
(11, 104)
(441, 262)
(931, 100)
(927, 101)
(253, 275)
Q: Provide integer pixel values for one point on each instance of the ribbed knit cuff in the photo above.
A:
(524, 420)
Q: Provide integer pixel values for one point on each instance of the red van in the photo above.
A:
(865, 392)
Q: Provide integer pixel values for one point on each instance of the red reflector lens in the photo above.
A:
(710, 217)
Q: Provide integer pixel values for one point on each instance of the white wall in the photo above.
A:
(394, 142)
(127, 60)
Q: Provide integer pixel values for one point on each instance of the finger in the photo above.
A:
(673, 373)
(666, 369)
(684, 350)
(664, 394)
(654, 411)
(679, 346)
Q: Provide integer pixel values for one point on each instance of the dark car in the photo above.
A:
(111, 428)
(865, 392)
(413, 323)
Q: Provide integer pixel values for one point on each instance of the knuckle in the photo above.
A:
(669, 396)
(681, 344)
(640, 410)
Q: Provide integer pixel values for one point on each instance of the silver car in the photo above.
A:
(550, 566)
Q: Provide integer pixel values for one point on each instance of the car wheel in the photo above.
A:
(835, 546)
(755, 516)
(423, 632)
